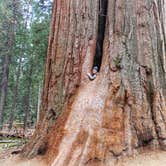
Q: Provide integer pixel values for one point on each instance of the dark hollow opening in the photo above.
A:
(101, 31)
(42, 149)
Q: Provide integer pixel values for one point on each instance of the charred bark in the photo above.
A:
(123, 109)
(103, 4)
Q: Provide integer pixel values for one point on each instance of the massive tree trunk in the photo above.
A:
(85, 122)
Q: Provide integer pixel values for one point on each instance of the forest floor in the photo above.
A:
(148, 158)
(12, 142)
(155, 158)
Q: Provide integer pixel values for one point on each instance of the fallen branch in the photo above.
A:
(7, 141)
(11, 135)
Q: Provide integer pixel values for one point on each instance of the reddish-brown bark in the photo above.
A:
(86, 122)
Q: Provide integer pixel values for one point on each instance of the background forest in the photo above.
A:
(24, 29)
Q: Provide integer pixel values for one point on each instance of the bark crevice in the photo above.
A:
(103, 4)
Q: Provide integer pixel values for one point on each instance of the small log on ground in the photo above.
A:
(12, 135)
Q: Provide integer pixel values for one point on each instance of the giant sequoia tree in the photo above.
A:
(85, 122)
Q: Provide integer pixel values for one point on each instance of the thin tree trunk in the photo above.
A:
(38, 103)
(15, 95)
(8, 50)
(124, 108)
(27, 99)
(4, 85)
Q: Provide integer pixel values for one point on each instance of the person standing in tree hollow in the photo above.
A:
(93, 75)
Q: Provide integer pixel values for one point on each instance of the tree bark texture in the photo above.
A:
(85, 122)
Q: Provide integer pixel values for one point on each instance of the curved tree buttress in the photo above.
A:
(85, 122)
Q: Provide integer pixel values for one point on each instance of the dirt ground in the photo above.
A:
(157, 158)
(17, 162)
